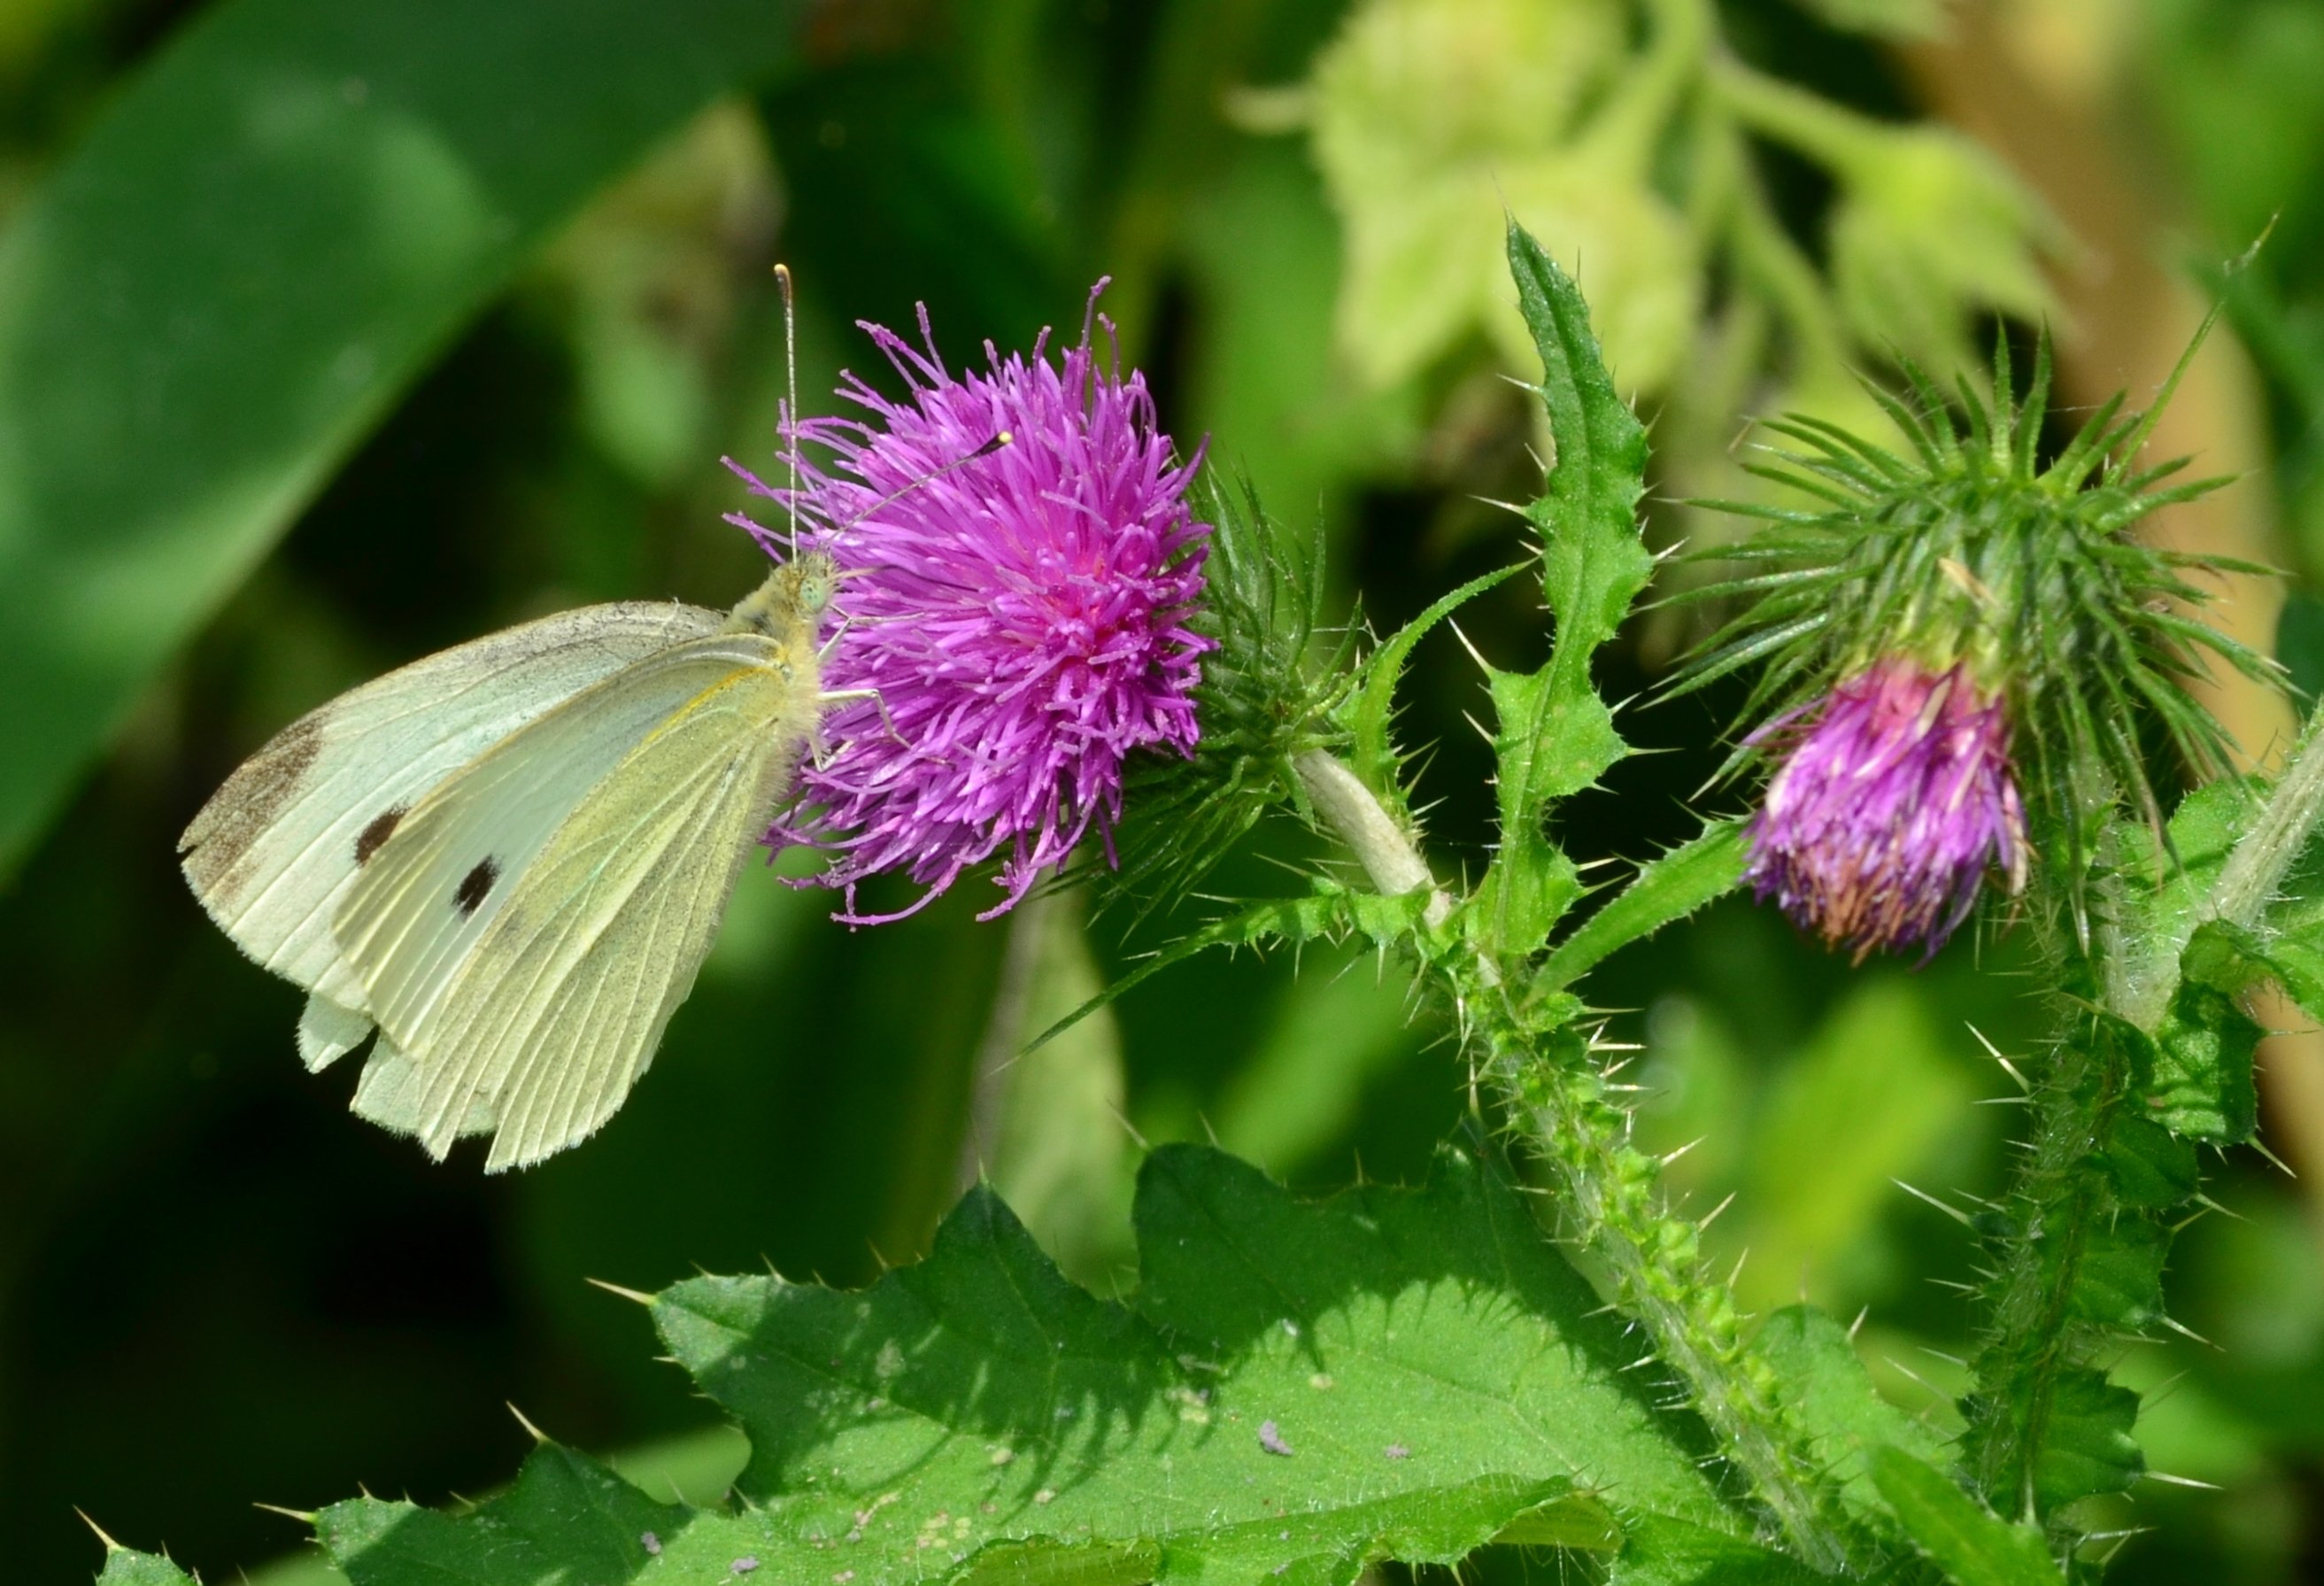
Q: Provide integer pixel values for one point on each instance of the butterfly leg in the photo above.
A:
(848, 696)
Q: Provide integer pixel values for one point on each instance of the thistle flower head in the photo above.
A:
(1893, 798)
(1020, 571)
(2008, 597)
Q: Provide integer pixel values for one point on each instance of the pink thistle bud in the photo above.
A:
(1892, 800)
(1018, 570)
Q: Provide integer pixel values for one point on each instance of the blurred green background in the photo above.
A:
(335, 331)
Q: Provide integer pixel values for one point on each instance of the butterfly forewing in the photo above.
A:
(276, 848)
(526, 931)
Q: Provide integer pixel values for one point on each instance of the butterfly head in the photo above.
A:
(814, 581)
(790, 604)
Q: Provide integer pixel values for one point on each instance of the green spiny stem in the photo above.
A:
(1556, 1096)
(2059, 1196)
(1560, 1102)
(2063, 1194)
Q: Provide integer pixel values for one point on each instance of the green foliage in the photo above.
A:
(2078, 1248)
(1295, 1390)
(1666, 1553)
(1893, 18)
(1555, 735)
(995, 157)
(1330, 912)
(2078, 1264)
(1967, 1541)
(127, 1567)
(1432, 118)
(1826, 1388)
(1372, 706)
(2196, 1072)
(1666, 890)
(260, 244)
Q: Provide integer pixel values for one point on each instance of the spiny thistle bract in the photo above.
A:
(1022, 572)
(1270, 692)
(1964, 624)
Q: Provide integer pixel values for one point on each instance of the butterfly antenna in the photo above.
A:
(791, 408)
(1001, 437)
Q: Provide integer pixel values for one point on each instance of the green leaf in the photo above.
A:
(1593, 563)
(1829, 1393)
(2169, 883)
(1375, 755)
(2197, 1074)
(2298, 961)
(2119, 1283)
(1296, 1387)
(1668, 1552)
(566, 1518)
(264, 240)
(1972, 1545)
(2151, 1168)
(126, 1566)
(1554, 736)
(2089, 1447)
(1666, 889)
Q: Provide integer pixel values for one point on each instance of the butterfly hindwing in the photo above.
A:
(526, 931)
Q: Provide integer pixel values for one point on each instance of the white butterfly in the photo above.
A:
(510, 857)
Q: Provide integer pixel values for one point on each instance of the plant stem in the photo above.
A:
(2059, 1194)
(2253, 873)
(1371, 834)
(1565, 1106)
(2063, 1196)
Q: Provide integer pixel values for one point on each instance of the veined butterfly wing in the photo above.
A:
(525, 934)
(274, 850)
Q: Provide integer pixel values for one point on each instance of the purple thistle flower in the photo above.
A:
(1017, 612)
(1891, 804)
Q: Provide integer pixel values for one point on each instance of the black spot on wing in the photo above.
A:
(475, 886)
(383, 826)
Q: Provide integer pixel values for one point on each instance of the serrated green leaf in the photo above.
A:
(2298, 961)
(1307, 1386)
(1548, 743)
(2089, 1448)
(1554, 736)
(2196, 1076)
(1972, 1545)
(2151, 1168)
(263, 239)
(126, 1566)
(1829, 1395)
(1667, 1553)
(2169, 884)
(1689, 877)
(2119, 1283)
(1376, 759)
(566, 1518)
(1593, 563)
